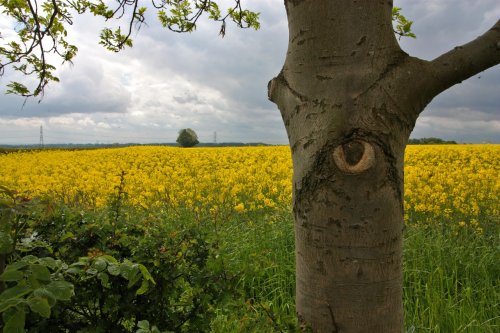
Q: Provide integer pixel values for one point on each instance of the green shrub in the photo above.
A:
(128, 266)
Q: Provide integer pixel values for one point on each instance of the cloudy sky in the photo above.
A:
(170, 81)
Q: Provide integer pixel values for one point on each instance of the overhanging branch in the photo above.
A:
(465, 61)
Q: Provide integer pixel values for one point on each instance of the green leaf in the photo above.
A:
(104, 279)
(83, 261)
(109, 259)
(40, 272)
(144, 287)
(62, 290)
(69, 234)
(39, 305)
(15, 292)
(402, 24)
(11, 275)
(133, 278)
(10, 303)
(144, 324)
(92, 271)
(43, 292)
(6, 242)
(34, 282)
(99, 264)
(15, 323)
(114, 269)
(145, 273)
(49, 262)
(126, 269)
(17, 88)
(30, 259)
(73, 270)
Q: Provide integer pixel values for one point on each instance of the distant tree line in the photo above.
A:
(430, 141)
(10, 148)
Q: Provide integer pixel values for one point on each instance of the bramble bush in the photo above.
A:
(128, 269)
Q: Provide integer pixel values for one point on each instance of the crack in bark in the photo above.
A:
(332, 316)
(395, 64)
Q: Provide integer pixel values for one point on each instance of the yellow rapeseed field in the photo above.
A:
(239, 178)
(455, 184)
(442, 183)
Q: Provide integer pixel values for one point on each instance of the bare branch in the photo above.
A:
(40, 28)
(465, 61)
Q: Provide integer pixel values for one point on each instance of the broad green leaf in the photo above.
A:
(99, 264)
(11, 275)
(12, 302)
(104, 279)
(43, 292)
(30, 259)
(114, 269)
(92, 271)
(6, 242)
(144, 324)
(109, 259)
(15, 323)
(126, 269)
(84, 261)
(62, 290)
(49, 262)
(73, 270)
(133, 278)
(39, 305)
(40, 272)
(34, 282)
(15, 292)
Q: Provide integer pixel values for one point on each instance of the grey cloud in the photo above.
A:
(479, 92)
(469, 111)
(222, 83)
(464, 126)
(188, 98)
(153, 104)
(443, 24)
(83, 90)
(240, 65)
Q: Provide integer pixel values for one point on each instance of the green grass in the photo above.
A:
(451, 281)
(260, 251)
(451, 275)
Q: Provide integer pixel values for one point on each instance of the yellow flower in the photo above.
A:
(448, 183)
(239, 208)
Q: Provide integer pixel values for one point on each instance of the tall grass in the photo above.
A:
(451, 279)
(259, 248)
(451, 275)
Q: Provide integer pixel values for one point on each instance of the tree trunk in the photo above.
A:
(349, 98)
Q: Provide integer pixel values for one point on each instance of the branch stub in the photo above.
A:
(354, 157)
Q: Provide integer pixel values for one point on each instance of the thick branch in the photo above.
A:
(465, 61)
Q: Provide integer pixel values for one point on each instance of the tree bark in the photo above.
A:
(349, 98)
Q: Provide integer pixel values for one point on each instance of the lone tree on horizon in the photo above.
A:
(349, 97)
(187, 138)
